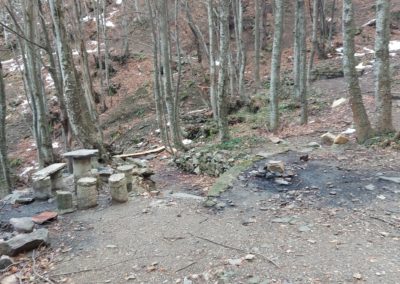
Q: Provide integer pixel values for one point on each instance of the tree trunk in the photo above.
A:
(5, 180)
(41, 126)
(314, 40)
(276, 64)
(360, 117)
(85, 129)
(223, 70)
(241, 51)
(171, 102)
(300, 60)
(257, 44)
(383, 95)
(211, 40)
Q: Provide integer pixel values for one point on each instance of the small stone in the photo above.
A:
(250, 257)
(357, 276)
(370, 187)
(209, 203)
(282, 220)
(381, 197)
(22, 225)
(111, 246)
(312, 241)
(313, 145)
(220, 205)
(275, 166)
(341, 139)
(281, 181)
(392, 179)
(186, 280)
(130, 277)
(5, 261)
(154, 193)
(338, 102)
(327, 138)
(236, 262)
(332, 192)
(304, 229)
(384, 234)
(24, 200)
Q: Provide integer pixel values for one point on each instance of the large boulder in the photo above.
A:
(24, 242)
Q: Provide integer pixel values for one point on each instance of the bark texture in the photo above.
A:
(5, 180)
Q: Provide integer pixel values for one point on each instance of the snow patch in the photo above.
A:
(394, 45)
(359, 54)
(371, 51)
(349, 131)
(55, 145)
(109, 24)
(118, 2)
(361, 66)
(25, 171)
(187, 141)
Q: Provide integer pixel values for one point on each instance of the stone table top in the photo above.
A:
(81, 153)
(49, 170)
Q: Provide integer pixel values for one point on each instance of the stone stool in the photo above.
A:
(119, 191)
(86, 193)
(64, 202)
(127, 171)
(42, 188)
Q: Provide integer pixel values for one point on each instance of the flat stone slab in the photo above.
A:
(87, 181)
(81, 153)
(115, 178)
(48, 171)
(44, 217)
(392, 179)
(24, 242)
(22, 225)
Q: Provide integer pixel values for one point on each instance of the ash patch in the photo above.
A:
(309, 182)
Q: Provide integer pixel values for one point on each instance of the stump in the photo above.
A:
(119, 191)
(42, 188)
(86, 194)
(127, 171)
(64, 202)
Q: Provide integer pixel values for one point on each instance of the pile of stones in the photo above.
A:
(275, 171)
(204, 161)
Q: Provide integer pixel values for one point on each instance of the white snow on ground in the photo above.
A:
(49, 81)
(361, 66)
(12, 65)
(87, 19)
(368, 50)
(25, 171)
(394, 45)
(118, 2)
(55, 145)
(359, 54)
(109, 24)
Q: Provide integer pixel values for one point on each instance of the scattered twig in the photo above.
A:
(187, 266)
(385, 221)
(202, 221)
(45, 279)
(173, 239)
(234, 248)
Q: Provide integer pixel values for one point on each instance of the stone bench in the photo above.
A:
(47, 180)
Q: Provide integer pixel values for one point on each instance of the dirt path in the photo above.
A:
(328, 229)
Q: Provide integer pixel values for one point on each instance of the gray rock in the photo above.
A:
(22, 225)
(220, 205)
(10, 279)
(283, 220)
(313, 145)
(24, 242)
(392, 179)
(370, 187)
(5, 261)
(24, 200)
(304, 229)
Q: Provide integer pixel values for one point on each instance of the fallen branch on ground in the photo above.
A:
(138, 154)
(237, 249)
(187, 266)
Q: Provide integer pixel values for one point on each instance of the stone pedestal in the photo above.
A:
(119, 191)
(64, 202)
(57, 181)
(42, 188)
(86, 193)
(127, 171)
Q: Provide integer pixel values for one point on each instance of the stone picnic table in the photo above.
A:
(81, 161)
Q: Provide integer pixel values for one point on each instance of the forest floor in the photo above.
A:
(337, 222)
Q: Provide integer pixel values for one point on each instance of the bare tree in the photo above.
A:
(383, 96)
(257, 43)
(314, 39)
(211, 40)
(274, 90)
(300, 60)
(360, 117)
(85, 129)
(5, 180)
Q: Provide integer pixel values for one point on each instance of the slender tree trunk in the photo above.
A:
(257, 44)
(383, 96)
(125, 28)
(171, 102)
(106, 50)
(223, 70)
(213, 94)
(241, 51)
(314, 39)
(360, 117)
(331, 23)
(138, 16)
(32, 56)
(300, 60)
(85, 129)
(276, 64)
(103, 104)
(5, 180)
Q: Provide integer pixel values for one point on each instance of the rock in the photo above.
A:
(118, 188)
(24, 242)
(275, 166)
(86, 192)
(275, 140)
(349, 131)
(237, 261)
(64, 202)
(24, 200)
(10, 279)
(327, 138)
(22, 225)
(283, 220)
(392, 179)
(209, 202)
(186, 280)
(313, 145)
(220, 205)
(340, 139)
(304, 229)
(44, 217)
(5, 261)
(339, 102)
(370, 187)
(281, 181)
(250, 257)
(357, 276)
